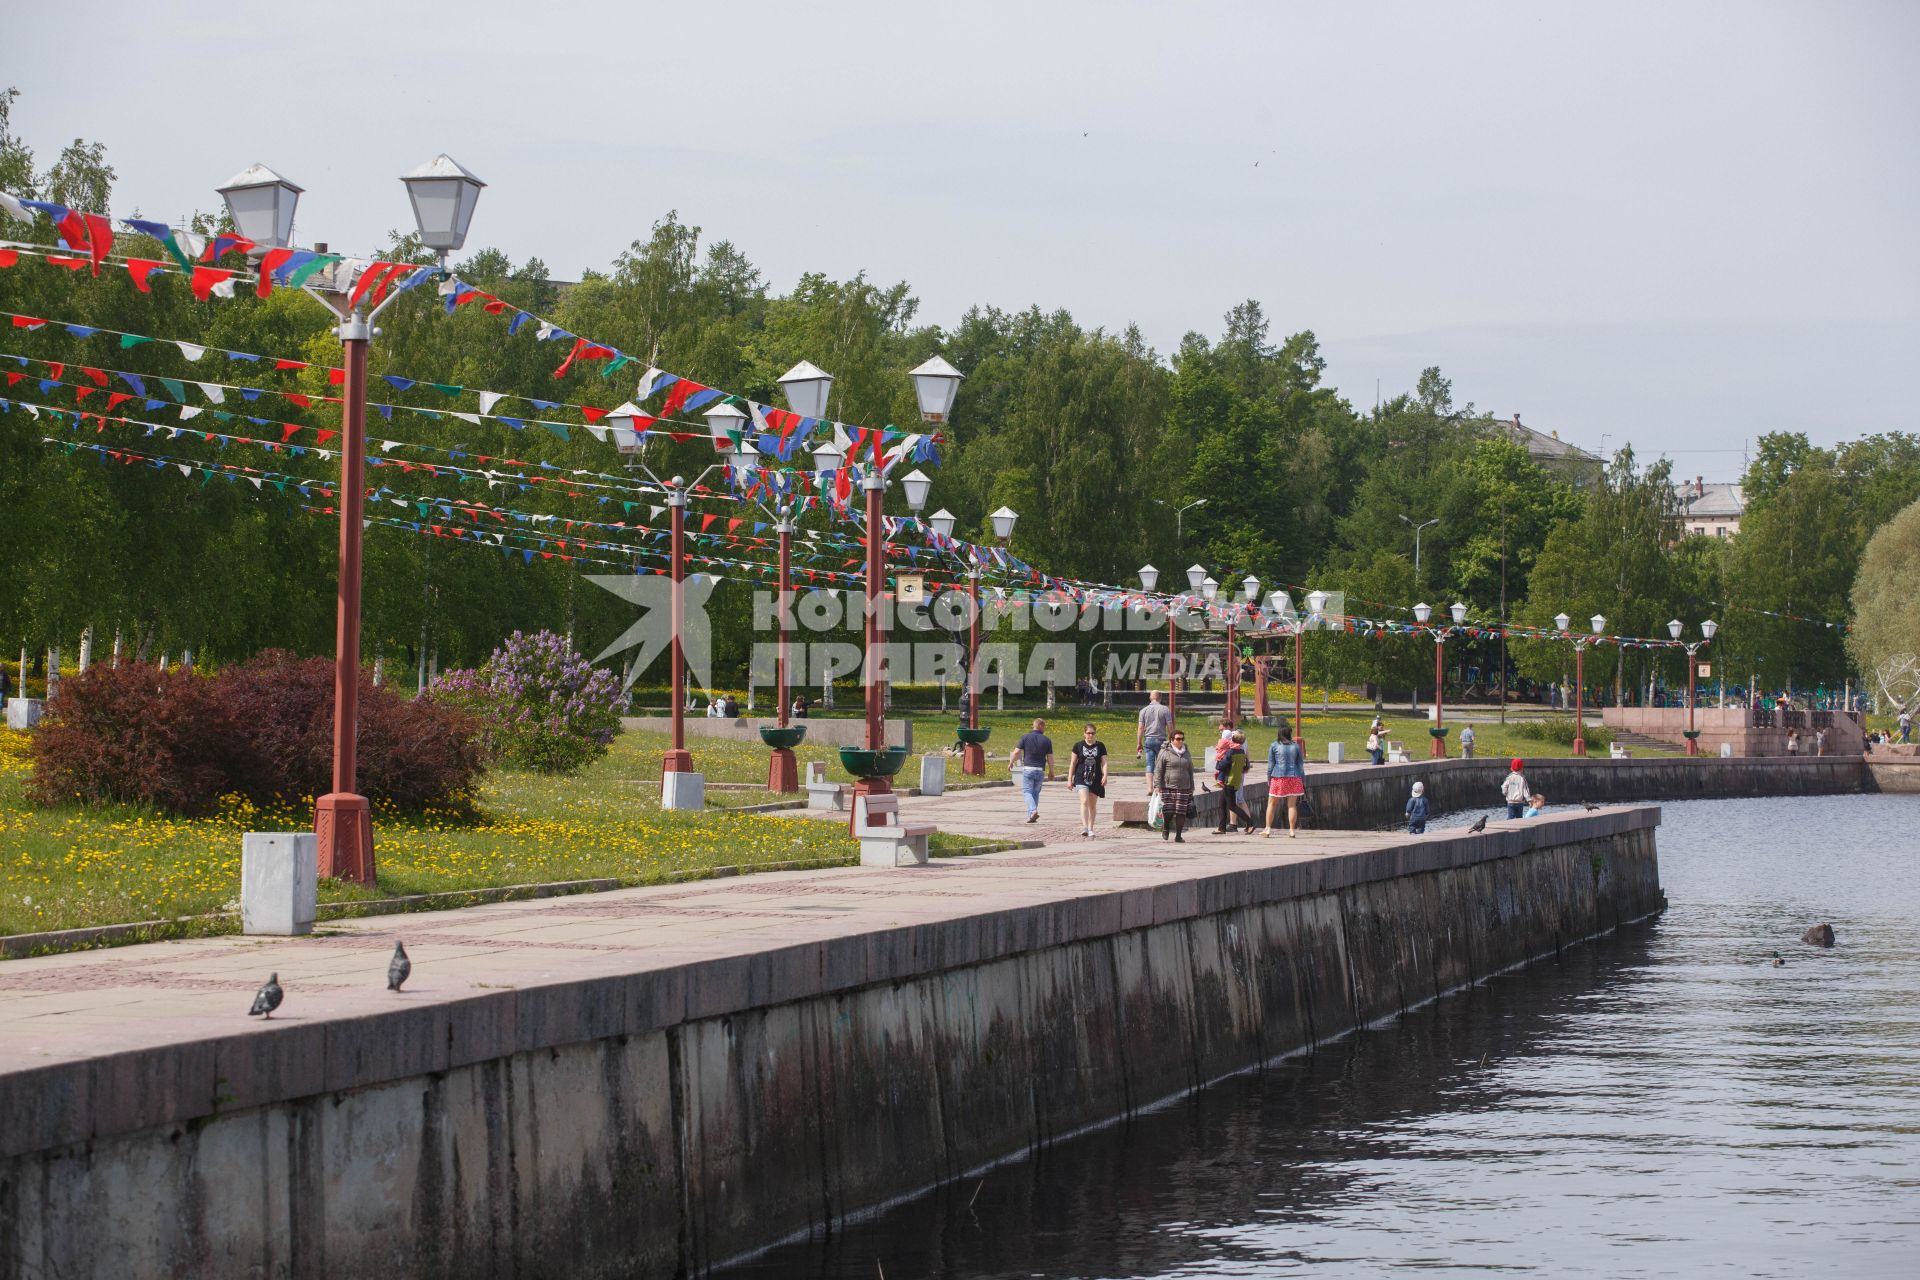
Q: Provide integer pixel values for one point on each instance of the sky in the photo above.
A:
(1674, 225)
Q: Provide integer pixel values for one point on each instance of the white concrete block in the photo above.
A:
(279, 881)
(933, 775)
(683, 791)
(1336, 753)
(1726, 751)
(23, 713)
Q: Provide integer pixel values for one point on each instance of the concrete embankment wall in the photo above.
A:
(1374, 797)
(658, 1123)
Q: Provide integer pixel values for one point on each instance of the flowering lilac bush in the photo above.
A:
(541, 705)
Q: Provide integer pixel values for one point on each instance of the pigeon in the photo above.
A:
(399, 968)
(1479, 825)
(268, 998)
(1590, 805)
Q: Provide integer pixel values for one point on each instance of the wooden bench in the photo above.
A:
(885, 841)
(1397, 753)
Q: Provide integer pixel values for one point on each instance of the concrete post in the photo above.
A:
(279, 881)
(933, 775)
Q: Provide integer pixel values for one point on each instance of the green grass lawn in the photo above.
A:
(69, 867)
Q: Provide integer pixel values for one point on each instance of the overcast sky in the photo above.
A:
(1679, 225)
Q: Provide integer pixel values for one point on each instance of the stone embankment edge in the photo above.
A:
(17, 946)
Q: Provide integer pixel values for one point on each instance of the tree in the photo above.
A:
(1884, 637)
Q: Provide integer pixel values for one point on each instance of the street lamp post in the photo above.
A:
(1250, 589)
(261, 204)
(1707, 628)
(1438, 733)
(1561, 622)
(1424, 524)
(1178, 515)
(1150, 578)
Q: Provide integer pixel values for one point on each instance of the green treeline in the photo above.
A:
(1092, 436)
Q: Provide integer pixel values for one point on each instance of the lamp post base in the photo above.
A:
(677, 761)
(783, 773)
(973, 760)
(1439, 748)
(343, 830)
(1693, 746)
(1579, 746)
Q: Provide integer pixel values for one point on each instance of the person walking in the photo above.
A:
(1466, 742)
(1906, 725)
(1793, 742)
(1150, 734)
(1286, 779)
(1031, 760)
(1172, 781)
(1515, 791)
(1230, 772)
(1417, 810)
(1087, 774)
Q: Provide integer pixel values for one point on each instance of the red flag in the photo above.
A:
(99, 376)
(287, 431)
(305, 402)
(289, 364)
(59, 369)
(205, 278)
(140, 269)
(71, 264)
(335, 377)
(8, 257)
(677, 397)
(116, 399)
(268, 265)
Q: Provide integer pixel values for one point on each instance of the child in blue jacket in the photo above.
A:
(1417, 810)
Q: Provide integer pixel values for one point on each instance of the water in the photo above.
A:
(1662, 1103)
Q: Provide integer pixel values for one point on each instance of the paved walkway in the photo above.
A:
(61, 1008)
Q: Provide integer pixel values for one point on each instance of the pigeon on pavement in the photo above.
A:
(1479, 825)
(398, 970)
(268, 998)
(1591, 806)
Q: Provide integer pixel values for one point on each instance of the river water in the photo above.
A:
(1666, 1102)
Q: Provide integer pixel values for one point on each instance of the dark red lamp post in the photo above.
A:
(1421, 613)
(1707, 628)
(1599, 623)
(261, 204)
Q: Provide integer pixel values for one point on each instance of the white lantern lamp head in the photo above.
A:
(726, 424)
(1561, 622)
(828, 457)
(1209, 588)
(1675, 627)
(1708, 627)
(261, 204)
(935, 384)
(444, 194)
(1251, 586)
(1598, 622)
(806, 386)
(1317, 602)
(917, 485)
(1459, 612)
(941, 521)
(1196, 574)
(1149, 577)
(1421, 612)
(1003, 522)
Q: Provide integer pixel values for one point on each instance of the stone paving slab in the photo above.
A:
(102, 1042)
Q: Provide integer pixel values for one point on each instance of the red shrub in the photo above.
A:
(135, 735)
(265, 730)
(411, 754)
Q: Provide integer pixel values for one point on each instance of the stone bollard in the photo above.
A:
(1726, 751)
(23, 713)
(1336, 753)
(685, 791)
(933, 775)
(279, 881)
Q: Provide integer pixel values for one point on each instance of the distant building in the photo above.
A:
(1550, 451)
(1710, 510)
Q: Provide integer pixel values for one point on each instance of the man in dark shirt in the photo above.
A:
(1031, 761)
